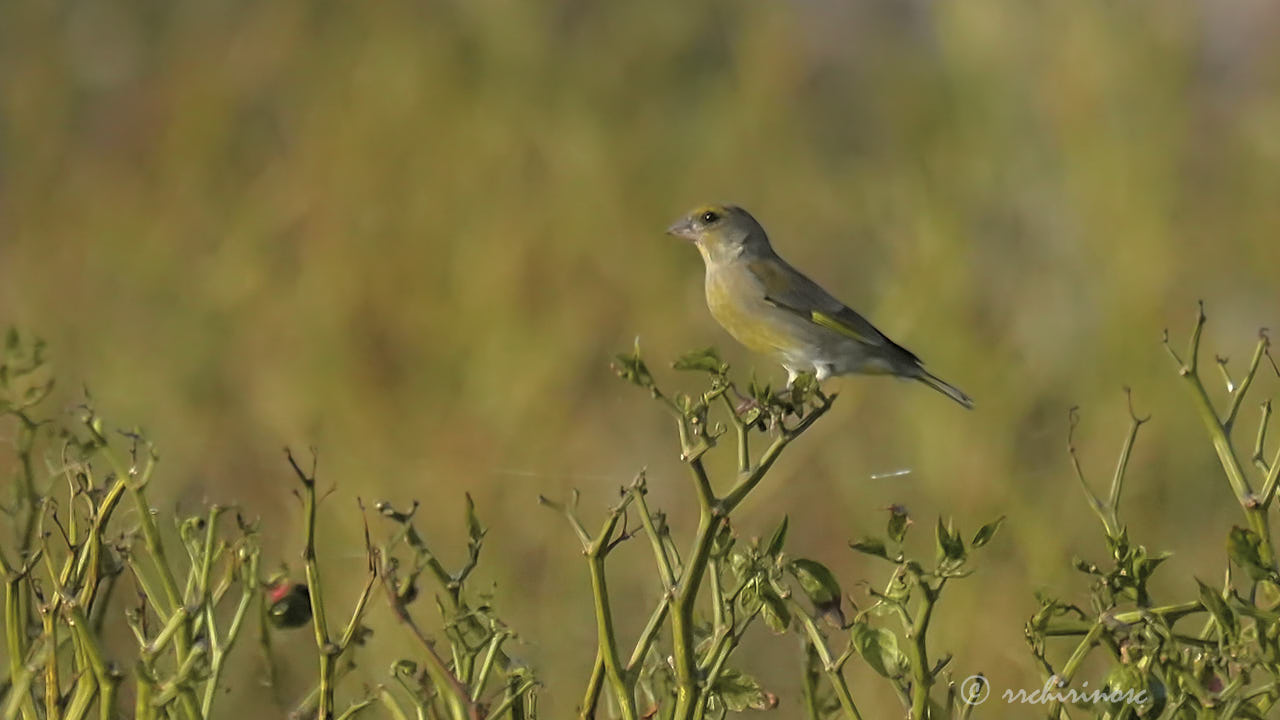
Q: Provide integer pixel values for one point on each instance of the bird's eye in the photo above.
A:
(709, 217)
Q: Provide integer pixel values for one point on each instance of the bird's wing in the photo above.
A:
(788, 289)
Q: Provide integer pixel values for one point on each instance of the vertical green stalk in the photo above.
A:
(15, 623)
(921, 674)
(218, 648)
(688, 694)
(137, 482)
(142, 707)
(833, 670)
(91, 655)
(604, 625)
(809, 684)
(52, 688)
(591, 698)
(1255, 508)
(1073, 663)
(324, 701)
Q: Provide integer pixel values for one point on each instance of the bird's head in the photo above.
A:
(721, 232)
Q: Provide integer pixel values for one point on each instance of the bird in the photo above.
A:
(774, 309)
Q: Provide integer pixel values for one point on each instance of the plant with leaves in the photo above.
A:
(72, 549)
(1230, 666)
(746, 584)
(476, 678)
(910, 597)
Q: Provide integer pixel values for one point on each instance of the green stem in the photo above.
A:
(52, 690)
(687, 694)
(391, 704)
(514, 695)
(142, 707)
(137, 482)
(591, 698)
(486, 665)
(1219, 434)
(665, 573)
(15, 622)
(743, 432)
(1237, 395)
(648, 635)
(606, 636)
(719, 654)
(1073, 664)
(1117, 480)
(833, 671)
(219, 648)
(453, 692)
(748, 481)
(809, 683)
(921, 674)
(1169, 613)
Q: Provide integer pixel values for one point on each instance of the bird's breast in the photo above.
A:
(738, 304)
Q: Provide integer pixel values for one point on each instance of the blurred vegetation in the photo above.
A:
(411, 234)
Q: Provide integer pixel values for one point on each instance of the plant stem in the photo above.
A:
(921, 674)
(687, 693)
(833, 671)
(596, 553)
(748, 481)
(809, 683)
(591, 698)
(1219, 433)
(1073, 664)
(648, 635)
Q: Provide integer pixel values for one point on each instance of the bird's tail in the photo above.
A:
(945, 388)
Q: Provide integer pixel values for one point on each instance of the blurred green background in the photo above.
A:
(413, 233)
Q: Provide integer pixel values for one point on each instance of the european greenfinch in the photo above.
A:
(772, 308)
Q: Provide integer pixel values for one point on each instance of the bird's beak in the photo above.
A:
(683, 229)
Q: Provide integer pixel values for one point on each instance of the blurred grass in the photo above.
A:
(412, 233)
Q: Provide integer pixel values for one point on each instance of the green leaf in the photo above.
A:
(632, 369)
(817, 582)
(1145, 566)
(820, 586)
(1128, 679)
(1119, 544)
(899, 521)
(775, 611)
(1085, 566)
(749, 599)
(1217, 607)
(779, 537)
(474, 531)
(878, 648)
(11, 340)
(706, 360)
(739, 691)
(761, 393)
(870, 546)
(950, 547)
(986, 532)
(1243, 549)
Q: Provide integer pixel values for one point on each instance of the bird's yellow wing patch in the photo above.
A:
(817, 317)
(833, 323)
